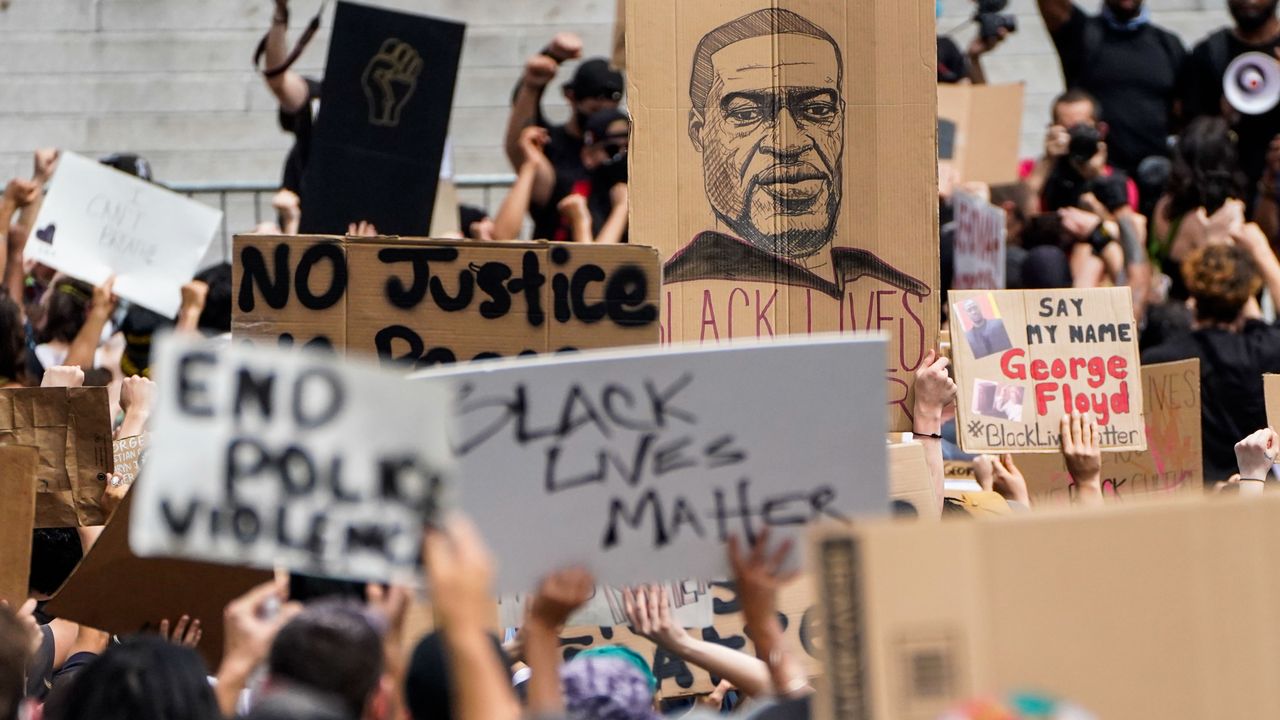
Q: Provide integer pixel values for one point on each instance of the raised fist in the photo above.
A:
(389, 81)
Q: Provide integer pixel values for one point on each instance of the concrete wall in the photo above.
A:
(171, 79)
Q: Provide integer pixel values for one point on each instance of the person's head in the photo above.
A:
(55, 552)
(216, 316)
(1220, 279)
(13, 342)
(333, 646)
(595, 86)
(1206, 169)
(771, 134)
(1251, 15)
(14, 645)
(1124, 9)
(1075, 107)
(974, 311)
(428, 687)
(606, 139)
(606, 687)
(475, 223)
(142, 678)
(65, 306)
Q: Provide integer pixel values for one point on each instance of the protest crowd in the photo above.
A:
(1138, 250)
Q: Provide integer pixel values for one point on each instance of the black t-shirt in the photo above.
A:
(1133, 74)
(564, 151)
(1231, 369)
(953, 66)
(299, 123)
(1202, 95)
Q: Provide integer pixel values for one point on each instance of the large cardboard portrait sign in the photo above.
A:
(1025, 358)
(784, 167)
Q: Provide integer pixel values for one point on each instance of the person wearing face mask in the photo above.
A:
(1255, 28)
(596, 208)
(595, 86)
(1129, 64)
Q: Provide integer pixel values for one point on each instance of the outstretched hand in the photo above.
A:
(648, 610)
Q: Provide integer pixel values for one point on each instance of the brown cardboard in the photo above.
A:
(115, 591)
(72, 429)
(910, 481)
(1147, 610)
(988, 120)
(1025, 358)
(1271, 394)
(855, 204)
(1172, 463)
(362, 296)
(17, 518)
(677, 678)
(128, 454)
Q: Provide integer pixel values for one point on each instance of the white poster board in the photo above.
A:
(980, 240)
(97, 221)
(640, 465)
(270, 458)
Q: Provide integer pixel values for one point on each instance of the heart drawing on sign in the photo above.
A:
(46, 233)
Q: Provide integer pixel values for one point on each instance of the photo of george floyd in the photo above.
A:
(984, 330)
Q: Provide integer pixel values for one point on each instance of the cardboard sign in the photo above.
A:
(640, 465)
(690, 605)
(988, 129)
(1025, 358)
(911, 484)
(1271, 395)
(1172, 462)
(129, 454)
(782, 162)
(97, 221)
(676, 678)
(428, 302)
(17, 518)
(980, 238)
(384, 113)
(1119, 611)
(118, 592)
(276, 459)
(71, 427)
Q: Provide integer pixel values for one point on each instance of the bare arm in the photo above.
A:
(86, 341)
(1251, 237)
(615, 226)
(524, 111)
(1056, 13)
(559, 595)
(649, 613)
(289, 87)
(1083, 454)
(934, 392)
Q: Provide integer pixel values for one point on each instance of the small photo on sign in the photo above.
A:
(994, 400)
(983, 326)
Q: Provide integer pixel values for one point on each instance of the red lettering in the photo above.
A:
(1118, 367)
(746, 302)
(762, 317)
(708, 317)
(1013, 371)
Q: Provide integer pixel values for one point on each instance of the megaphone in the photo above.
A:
(1252, 83)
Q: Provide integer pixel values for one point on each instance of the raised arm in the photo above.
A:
(533, 183)
(935, 393)
(1254, 240)
(86, 341)
(615, 226)
(1056, 13)
(539, 70)
(649, 613)
(289, 87)
(1083, 454)
(1254, 456)
(559, 595)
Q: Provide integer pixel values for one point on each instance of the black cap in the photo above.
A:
(598, 124)
(594, 78)
(135, 165)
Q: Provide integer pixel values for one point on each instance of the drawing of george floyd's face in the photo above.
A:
(772, 140)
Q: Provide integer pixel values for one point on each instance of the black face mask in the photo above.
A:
(1252, 20)
(612, 172)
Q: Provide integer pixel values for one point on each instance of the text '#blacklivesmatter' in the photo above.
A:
(660, 470)
(429, 278)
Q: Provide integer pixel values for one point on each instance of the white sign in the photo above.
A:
(271, 458)
(640, 465)
(690, 601)
(97, 221)
(980, 239)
